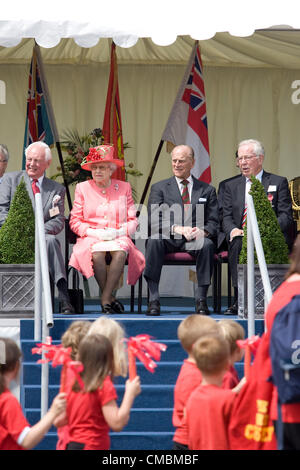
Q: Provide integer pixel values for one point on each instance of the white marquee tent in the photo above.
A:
(251, 73)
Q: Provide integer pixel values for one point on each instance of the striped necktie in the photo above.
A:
(244, 218)
(185, 193)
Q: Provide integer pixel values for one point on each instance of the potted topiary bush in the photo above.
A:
(17, 257)
(275, 250)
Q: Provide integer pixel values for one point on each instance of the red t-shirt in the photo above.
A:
(13, 424)
(230, 379)
(207, 416)
(85, 417)
(188, 379)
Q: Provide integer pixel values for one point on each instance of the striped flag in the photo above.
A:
(187, 123)
(40, 122)
(112, 124)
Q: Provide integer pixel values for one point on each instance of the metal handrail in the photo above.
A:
(253, 238)
(43, 313)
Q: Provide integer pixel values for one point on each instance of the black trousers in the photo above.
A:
(234, 249)
(156, 250)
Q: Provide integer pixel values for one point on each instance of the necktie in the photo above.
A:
(185, 193)
(244, 218)
(35, 187)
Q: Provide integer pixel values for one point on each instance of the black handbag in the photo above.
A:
(76, 294)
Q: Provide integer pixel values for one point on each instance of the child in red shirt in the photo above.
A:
(209, 406)
(232, 332)
(93, 411)
(15, 431)
(71, 339)
(189, 330)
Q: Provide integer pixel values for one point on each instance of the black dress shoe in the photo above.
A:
(117, 306)
(153, 308)
(233, 310)
(107, 308)
(202, 308)
(66, 308)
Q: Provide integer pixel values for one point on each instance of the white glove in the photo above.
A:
(96, 233)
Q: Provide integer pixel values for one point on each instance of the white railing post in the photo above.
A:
(252, 221)
(250, 278)
(43, 314)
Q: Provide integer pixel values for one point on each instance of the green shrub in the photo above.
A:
(18, 231)
(273, 242)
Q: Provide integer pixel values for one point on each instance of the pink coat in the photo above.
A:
(92, 208)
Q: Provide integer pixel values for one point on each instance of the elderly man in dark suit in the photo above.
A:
(38, 158)
(250, 158)
(183, 216)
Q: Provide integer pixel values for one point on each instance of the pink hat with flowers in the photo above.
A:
(102, 153)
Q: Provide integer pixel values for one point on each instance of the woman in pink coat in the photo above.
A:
(104, 218)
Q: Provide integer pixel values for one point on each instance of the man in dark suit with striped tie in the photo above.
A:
(183, 216)
(38, 158)
(250, 159)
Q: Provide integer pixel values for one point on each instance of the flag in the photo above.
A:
(112, 124)
(40, 122)
(187, 123)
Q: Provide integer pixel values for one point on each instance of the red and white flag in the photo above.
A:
(112, 124)
(187, 123)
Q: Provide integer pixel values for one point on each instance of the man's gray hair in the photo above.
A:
(48, 154)
(257, 146)
(4, 152)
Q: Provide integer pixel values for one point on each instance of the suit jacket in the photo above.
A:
(221, 191)
(234, 202)
(166, 194)
(50, 188)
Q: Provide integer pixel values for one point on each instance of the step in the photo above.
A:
(123, 441)
(134, 324)
(174, 350)
(150, 397)
(141, 419)
(165, 372)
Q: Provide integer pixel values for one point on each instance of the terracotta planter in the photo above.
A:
(276, 275)
(16, 290)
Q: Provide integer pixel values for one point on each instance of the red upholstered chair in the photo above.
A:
(185, 259)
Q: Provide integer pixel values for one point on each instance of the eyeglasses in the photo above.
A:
(247, 158)
(3, 161)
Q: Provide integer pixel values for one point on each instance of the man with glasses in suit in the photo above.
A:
(250, 159)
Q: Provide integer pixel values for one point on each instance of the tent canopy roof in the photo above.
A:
(231, 32)
(262, 49)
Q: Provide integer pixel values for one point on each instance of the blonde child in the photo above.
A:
(190, 329)
(232, 331)
(71, 339)
(209, 407)
(15, 431)
(115, 333)
(92, 412)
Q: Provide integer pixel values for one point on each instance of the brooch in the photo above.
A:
(116, 187)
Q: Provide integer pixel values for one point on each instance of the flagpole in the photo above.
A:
(58, 147)
(151, 172)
